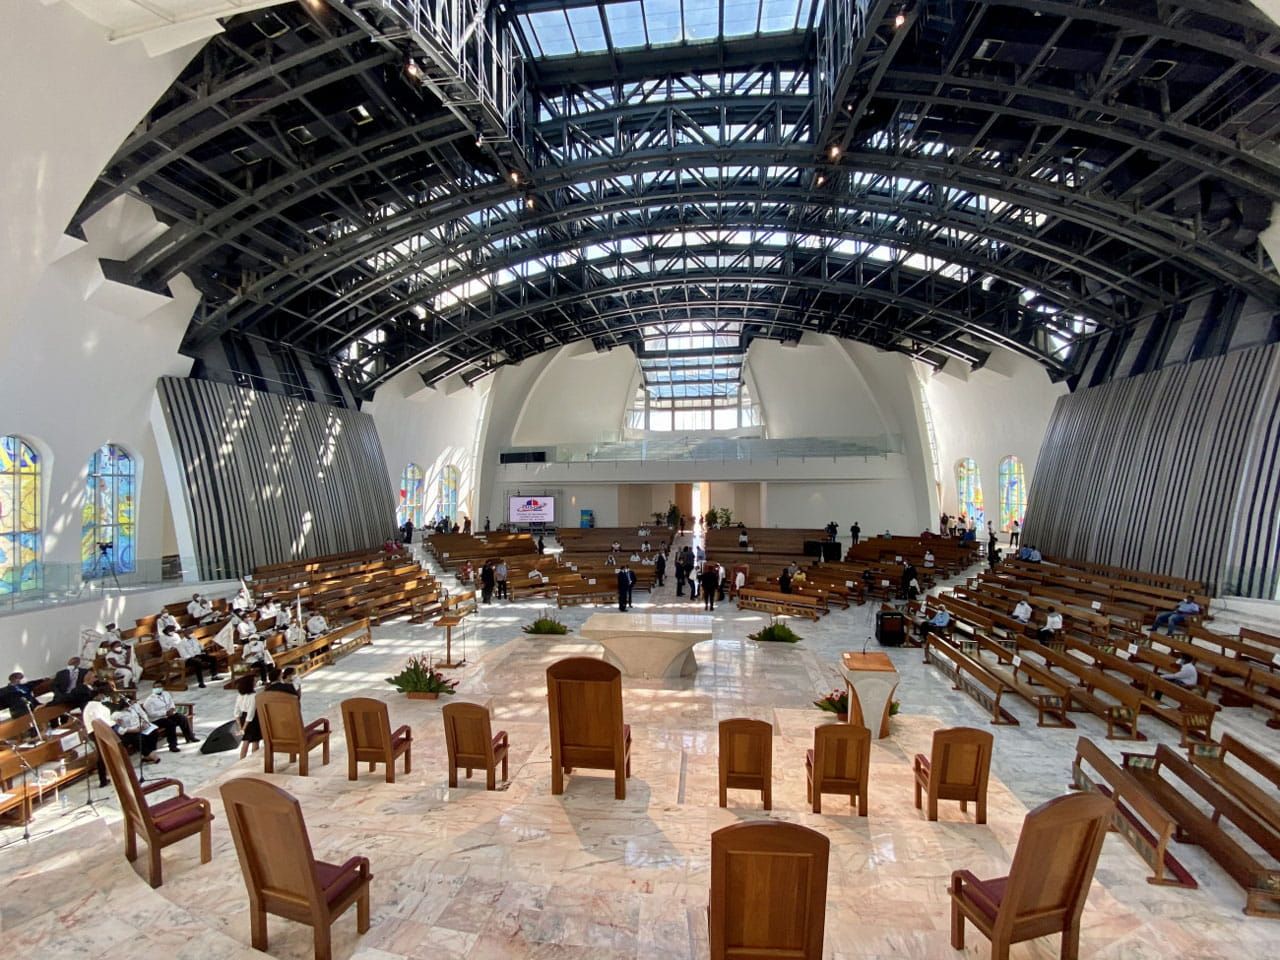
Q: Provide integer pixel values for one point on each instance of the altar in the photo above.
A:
(649, 644)
(872, 680)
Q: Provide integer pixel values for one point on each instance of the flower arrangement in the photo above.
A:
(837, 702)
(776, 633)
(418, 675)
(545, 625)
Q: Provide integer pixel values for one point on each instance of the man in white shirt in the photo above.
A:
(269, 610)
(111, 634)
(1022, 612)
(255, 654)
(163, 712)
(189, 650)
(246, 628)
(1052, 625)
(120, 659)
(242, 601)
(316, 626)
(136, 729)
(1185, 676)
(96, 709)
(166, 619)
(928, 559)
(200, 609)
(739, 581)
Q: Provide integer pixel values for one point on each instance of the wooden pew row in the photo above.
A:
(776, 603)
(970, 676)
(1212, 759)
(1259, 878)
(1238, 683)
(1176, 584)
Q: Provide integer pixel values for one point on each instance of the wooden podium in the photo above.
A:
(449, 621)
(872, 680)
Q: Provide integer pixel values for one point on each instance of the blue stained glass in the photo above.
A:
(663, 20)
(108, 514)
(626, 24)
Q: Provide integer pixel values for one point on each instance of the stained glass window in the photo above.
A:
(450, 481)
(1013, 492)
(20, 535)
(109, 513)
(969, 492)
(410, 507)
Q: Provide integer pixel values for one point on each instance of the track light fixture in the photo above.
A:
(413, 71)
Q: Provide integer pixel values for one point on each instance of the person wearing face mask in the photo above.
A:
(135, 728)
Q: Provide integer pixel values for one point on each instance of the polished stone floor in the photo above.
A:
(520, 873)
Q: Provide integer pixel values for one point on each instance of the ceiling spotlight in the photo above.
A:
(834, 152)
(900, 20)
(821, 179)
(515, 176)
(528, 202)
(480, 140)
(413, 71)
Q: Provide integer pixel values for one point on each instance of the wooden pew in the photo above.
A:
(1139, 818)
(569, 593)
(1260, 879)
(1124, 713)
(1049, 696)
(1212, 759)
(773, 602)
(971, 676)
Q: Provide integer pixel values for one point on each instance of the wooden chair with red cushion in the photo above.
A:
(162, 823)
(281, 873)
(471, 743)
(768, 891)
(1047, 885)
(370, 738)
(840, 763)
(280, 718)
(957, 769)
(746, 758)
(587, 730)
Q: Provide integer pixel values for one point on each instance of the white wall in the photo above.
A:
(876, 505)
(434, 429)
(988, 414)
(578, 397)
(813, 390)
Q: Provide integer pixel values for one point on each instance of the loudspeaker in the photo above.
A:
(891, 628)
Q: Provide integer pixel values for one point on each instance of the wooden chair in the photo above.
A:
(957, 769)
(160, 823)
(768, 891)
(280, 717)
(281, 873)
(840, 762)
(585, 700)
(472, 744)
(369, 737)
(1048, 883)
(746, 758)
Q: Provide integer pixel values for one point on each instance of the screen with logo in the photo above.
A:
(531, 509)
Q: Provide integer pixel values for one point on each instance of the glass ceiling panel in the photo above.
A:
(588, 31)
(663, 20)
(551, 29)
(626, 24)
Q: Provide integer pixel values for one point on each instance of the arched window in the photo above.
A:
(969, 491)
(1013, 492)
(20, 535)
(450, 481)
(411, 506)
(108, 514)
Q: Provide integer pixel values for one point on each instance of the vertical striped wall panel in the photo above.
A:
(1175, 471)
(268, 479)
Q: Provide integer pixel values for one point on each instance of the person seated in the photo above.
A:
(270, 610)
(67, 679)
(278, 684)
(1022, 612)
(135, 728)
(615, 546)
(743, 539)
(242, 602)
(609, 561)
(111, 633)
(1185, 676)
(291, 676)
(1172, 619)
(635, 557)
(200, 609)
(81, 693)
(17, 696)
(254, 653)
(245, 626)
(1052, 625)
(189, 649)
(928, 559)
(1024, 553)
(126, 671)
(316, 626)
(1033, 555)
(937, 624)
(798, 578)
(163, 712)
(165, 619)
(295, 633)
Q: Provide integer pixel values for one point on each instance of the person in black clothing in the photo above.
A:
(278, 684)
(623, 586)
(660, 567)
(682, 574)
(17, 696)
(487, 580)
(908, 574)
(542, 547)
(406, 532)
(710, 584)
(784, 580)
(67, 679)
(855, 533)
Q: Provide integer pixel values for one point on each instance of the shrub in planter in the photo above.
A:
(775, 633)
(545, 625)
(418, 676)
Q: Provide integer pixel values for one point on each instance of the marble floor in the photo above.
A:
(520, 873)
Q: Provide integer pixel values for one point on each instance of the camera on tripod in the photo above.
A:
(105, 548)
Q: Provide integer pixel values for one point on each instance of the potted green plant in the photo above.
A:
(837, 702)
(775, 633)
(547, 626)
(419, 680)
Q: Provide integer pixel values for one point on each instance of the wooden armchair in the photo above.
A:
(585, 700)
(1048, 883)
(768, 891)
(957, 769)
(472, 744)
(160, 823)
(281, 873)
(840, 762)
(746, 758)
(369, 737)
(280, 717)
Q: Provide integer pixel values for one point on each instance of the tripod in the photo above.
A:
(103, 564)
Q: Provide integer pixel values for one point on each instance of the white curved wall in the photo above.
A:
(578, 397)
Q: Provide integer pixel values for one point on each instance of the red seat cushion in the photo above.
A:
(332, 873)
(176, 812)
(987, 894)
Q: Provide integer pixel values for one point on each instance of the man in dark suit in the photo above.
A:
(17, 696)
(660, 567)
(710, 584)
(67, 680)
(623, 588)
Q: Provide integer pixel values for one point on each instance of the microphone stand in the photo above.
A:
(27, 835)
(34, 722)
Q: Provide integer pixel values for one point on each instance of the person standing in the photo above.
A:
(542, 547)
(681, 574)
(466, 526)
(1015, 531)
(721, 574)
(855, 534)
(97, 709)
(784, 580)
(500, 574)
(660, 567)
(245, 713)
(631, 583)
(710, 582)
(622, 589)
(163, 712)
(486, 524)
(486, 582)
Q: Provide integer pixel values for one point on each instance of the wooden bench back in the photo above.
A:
(585, 700)
(468, 735)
